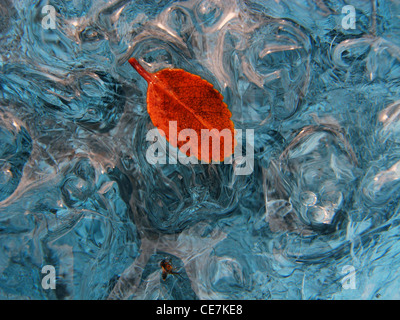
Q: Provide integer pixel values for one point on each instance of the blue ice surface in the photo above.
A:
(317, 218)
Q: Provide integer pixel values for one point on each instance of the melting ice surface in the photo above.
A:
(317, 219)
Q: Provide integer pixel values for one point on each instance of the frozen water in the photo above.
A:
(77, 193)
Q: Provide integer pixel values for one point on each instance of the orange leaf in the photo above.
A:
(177, 95)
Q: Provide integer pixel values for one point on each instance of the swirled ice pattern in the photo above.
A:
(318, 218)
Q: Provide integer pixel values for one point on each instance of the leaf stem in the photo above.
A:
(145, 74)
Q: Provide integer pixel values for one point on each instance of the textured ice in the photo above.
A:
(77, 193)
